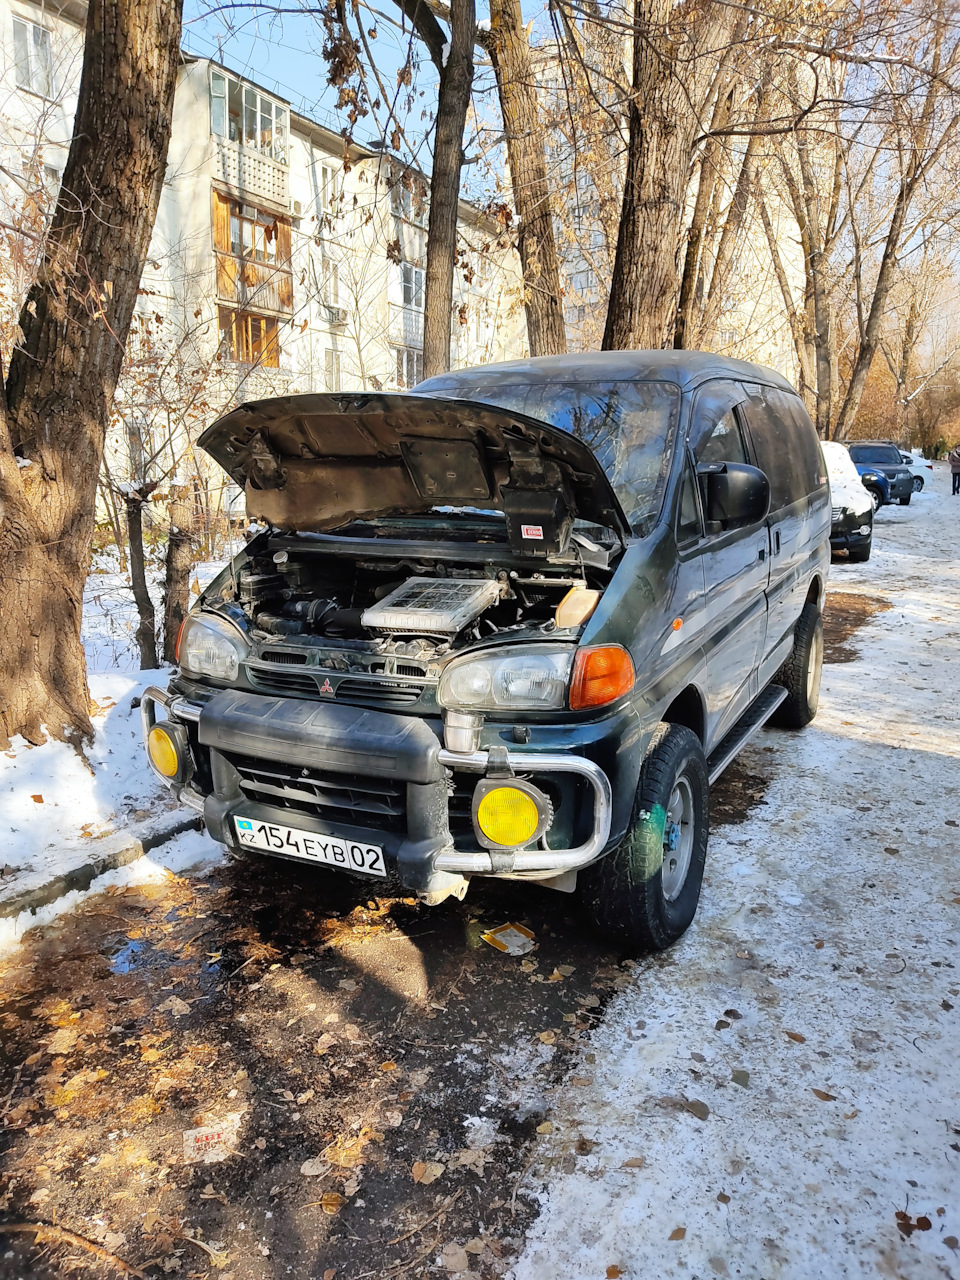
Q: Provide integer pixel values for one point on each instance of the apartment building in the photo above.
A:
(283, 257)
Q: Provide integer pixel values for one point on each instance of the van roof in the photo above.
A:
(685, 368)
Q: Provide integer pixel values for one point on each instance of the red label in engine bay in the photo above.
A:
(531, 531)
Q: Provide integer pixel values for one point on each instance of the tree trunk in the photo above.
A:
(180, 560)
(63, 376)
(146, 635)
(510, 52)
(685, 328)
(645, 286)
(456, 81)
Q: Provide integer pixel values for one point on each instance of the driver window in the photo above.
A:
(724, 443)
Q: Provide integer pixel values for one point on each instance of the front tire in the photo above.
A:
(905, 500)
(876, 497)
(800, 674)
(917, 484)
(643, 895)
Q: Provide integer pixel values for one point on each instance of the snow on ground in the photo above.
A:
(812, 1014)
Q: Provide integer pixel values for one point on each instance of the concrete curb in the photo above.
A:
(112, 852)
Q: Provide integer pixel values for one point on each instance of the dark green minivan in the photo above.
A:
(511, 624)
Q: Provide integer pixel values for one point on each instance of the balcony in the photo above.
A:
(252, 173)
(405, 326)
(254, 286)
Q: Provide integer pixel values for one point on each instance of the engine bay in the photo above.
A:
(390, 616)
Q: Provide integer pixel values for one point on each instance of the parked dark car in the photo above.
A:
(884, 459)
(513, 624)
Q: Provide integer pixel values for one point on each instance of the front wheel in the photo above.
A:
(876, 497)
(905, 500)
(917, 483)
(800, 674)
(644, 894)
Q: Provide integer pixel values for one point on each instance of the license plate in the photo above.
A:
(348, 855)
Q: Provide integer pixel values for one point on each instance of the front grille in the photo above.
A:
(282, 681)
(378, 693)
(358, 801)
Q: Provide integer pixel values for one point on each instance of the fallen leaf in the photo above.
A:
(591, 1002)
(951, 1242)
(556, 976)
(332, 1202)
(721, 1024)
(37, 799)
(924, 1224)
(454, 1257)
(388, 1066)
(723, 1197)
(150, 1055)
(795, 1035)
(699, 1109)
(825, 1097)
(581, 1081)
(329, 1274)
(326, 1041)
(474, 1246)
(585, 1146)
(613, 1273)
(851, 1115)
(260, 1144)
(818, 945)
(312, 1168)
(546, 1127)
(176, 1007)
(742, 1078)
(635, 1162)
(393, 1118)
(547, 1037)
(427, 1171)
(347, 984)
(733, 1014)
(678, 1233)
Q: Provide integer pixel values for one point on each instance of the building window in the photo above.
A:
(329, 282)
(326, 188)
(332, 369)
(411, 284)
(409, 366)
(408, 196)
(243, 114)
(249, 338)
(252, 253)
(33, 56)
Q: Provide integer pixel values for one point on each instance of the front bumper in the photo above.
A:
(900, 486)
(263, 758)
(845, 530)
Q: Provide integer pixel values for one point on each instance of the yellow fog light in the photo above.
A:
(163, 752)
(510, 815)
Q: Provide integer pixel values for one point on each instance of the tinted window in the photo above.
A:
(724, 443)
(882, 454)
(630, 426)
(688, 525)
(785, 443)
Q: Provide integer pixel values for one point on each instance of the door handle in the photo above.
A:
(763, 552)
(776, 542)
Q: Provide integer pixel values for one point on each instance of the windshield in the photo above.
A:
(875, 453)
(631, 427)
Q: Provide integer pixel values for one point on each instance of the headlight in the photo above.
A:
(527, 679)
(210, 646)
(869, 475)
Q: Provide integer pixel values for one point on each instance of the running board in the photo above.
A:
(754, 718)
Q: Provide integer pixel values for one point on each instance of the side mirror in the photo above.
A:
(734, 494)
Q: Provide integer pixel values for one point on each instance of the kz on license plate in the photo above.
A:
(348, 855)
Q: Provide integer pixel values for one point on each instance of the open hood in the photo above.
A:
(317, 462)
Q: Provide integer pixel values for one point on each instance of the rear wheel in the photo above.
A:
(905, 500)
(917, 483)
(800, 674)
(643, 895)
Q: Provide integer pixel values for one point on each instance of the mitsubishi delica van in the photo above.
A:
(512, 624)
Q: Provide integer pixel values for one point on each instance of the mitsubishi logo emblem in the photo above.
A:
(326, 687)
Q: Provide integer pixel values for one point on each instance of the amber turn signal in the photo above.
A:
(600, 675)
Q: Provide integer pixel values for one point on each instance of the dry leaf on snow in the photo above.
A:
(678, 1233)
(825, 1097)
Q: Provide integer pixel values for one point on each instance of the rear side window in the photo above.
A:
(785, 444)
